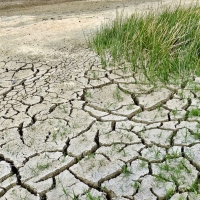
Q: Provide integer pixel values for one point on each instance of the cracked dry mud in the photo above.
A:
(61, 135)
(69, 127)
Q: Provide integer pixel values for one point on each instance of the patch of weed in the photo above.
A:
(165, 46)
(195, 112)
(126, 172)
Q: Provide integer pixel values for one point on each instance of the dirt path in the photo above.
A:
(72, 129)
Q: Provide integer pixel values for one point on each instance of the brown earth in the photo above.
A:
(63, 7)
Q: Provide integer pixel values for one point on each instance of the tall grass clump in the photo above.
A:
(164, 46)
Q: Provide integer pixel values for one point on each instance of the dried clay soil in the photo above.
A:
(69, 128)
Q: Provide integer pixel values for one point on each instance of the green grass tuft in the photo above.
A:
(164, 46)
(195, 112)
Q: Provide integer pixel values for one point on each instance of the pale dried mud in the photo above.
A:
(69, 128)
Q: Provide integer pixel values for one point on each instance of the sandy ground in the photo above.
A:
(46, 30)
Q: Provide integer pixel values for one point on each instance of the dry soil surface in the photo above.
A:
(72, 130)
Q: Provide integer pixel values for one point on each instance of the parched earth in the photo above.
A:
(70, 129)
